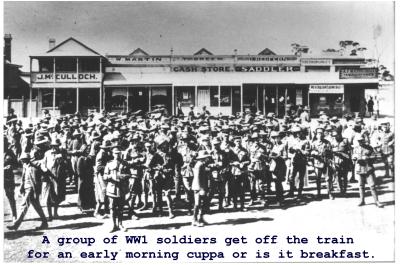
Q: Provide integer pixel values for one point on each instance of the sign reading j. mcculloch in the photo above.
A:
(361, 73)
(66, 77)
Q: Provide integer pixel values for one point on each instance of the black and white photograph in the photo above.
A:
(186, 132)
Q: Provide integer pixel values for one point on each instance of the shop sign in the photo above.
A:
(66, 77)
(316, 61)
(267, 68)
(268, 58)
(326, 89)
(138, 59)
(253, 68)
(193, 68)
(361, 73)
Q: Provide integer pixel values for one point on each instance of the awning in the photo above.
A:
(227, 78)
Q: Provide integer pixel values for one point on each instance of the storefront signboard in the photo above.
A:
(226, 68)
(201, 59)
(268, 59)
(361, 73)
(66, 77)
(316, 61)
(326, 89)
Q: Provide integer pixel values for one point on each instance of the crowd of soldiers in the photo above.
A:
(117, 161)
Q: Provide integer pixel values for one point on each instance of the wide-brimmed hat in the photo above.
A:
(116, 150)
(40, 140)
(254, 136)
(334, 118)
(76, 133)
(275, 134)
(105, 144)
(96, 136)
(12, 120)
(215, 141)
(319, 130)
(262, 133)
(203, 154)
(55, 142)
(296, 129)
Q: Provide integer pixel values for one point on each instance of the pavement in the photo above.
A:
(372, 228)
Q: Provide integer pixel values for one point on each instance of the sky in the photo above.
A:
(220, 27)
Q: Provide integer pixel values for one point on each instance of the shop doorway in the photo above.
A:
(250, 97)
(89, 100)
(66, 100)
(138, 99)
(236, 100)
(161, 96)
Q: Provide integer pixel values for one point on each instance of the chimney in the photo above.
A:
(7, 47)
(52, 43)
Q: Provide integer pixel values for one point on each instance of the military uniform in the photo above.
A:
(115, 174)
(387, 140)
(364, 170)
(321, 151)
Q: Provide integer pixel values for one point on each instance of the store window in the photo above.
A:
(185, 95)
(47, 98)
(66, 100)
(225, 99)
(207, 96)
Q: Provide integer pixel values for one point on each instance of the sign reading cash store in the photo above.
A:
(247, 68)
(66, 77)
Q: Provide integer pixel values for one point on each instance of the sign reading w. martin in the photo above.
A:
(66, 77)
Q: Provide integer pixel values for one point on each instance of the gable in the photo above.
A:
(71, 47)
(267, 51)
(138, 52)
(203, 51)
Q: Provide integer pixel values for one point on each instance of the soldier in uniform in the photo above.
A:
(257, 170)
(200, 187)
(321, 152)
(115, 173)
(298, 148)
(135, 160)
(102, 158)
(364, 169)
(239, 162)
(341, 160)
(218, 174)
(161, 168)
(387, 147)
(188, 155)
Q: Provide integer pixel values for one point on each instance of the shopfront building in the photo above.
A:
(67, 79)
(225, 84)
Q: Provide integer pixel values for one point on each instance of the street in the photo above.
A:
(368, 225)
